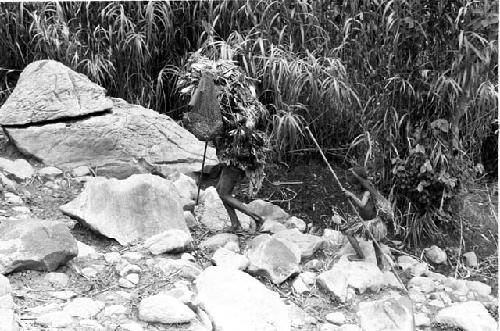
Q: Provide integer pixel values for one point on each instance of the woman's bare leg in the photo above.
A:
(230, 176)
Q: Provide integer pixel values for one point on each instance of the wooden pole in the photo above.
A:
(201, 172)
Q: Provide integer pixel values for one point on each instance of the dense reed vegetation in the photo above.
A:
(408, 88)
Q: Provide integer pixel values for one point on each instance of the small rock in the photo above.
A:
(134, 256)
(478, 287)
(112, 257)
(419, 269)
(272, 226)
(228, 259)
(131, 326)
(90, 272)
(189, 218)
(170, 241)
(275, 258)
(125, 283)
(406, 262)
(182, 293)
(470, 316)
(294, 222)
(436, 303)
(390, 280)
(218, 240)
(21, 209)
(188, 257)
(114, 310)
(334, 239)
(309, 278)
(55, 319)
(83, 307)
(307, 243)
(50, 172)
(336, 317)
(81, 171)
(85, 250)
(314, 264)
(423, 284)
(349, 327)
(422, 320)
(13, 199)
(58, 279)
(130, 268)
(470, 259)
(388, 314)
(19, 169)
(91, 325)
(299, 286)
(133, 278)
(7, 183)
(182, 268)
(435, 254)
(164, 309)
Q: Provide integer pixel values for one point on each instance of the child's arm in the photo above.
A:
(360, 203)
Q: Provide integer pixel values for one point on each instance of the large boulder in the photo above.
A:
(136, 208)
(35, 244)
(276, 259)
(470, 316)
(127, 140)
(236, 301)
(48, 90)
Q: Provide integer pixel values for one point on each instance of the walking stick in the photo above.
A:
(355, 210)
(201, 172)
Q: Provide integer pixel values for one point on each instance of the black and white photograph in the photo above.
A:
(249, 165)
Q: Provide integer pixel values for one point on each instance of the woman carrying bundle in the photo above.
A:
(227, 112)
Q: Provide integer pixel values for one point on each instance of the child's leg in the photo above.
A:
(359, 256)
(379, 255)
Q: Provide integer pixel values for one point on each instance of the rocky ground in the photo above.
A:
(285, 279)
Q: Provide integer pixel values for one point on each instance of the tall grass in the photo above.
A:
(369, 75)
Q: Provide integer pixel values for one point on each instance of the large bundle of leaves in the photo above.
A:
(241, 143)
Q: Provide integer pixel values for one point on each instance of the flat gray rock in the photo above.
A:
(387, 314)
(18, 169)
(470, 316)
(127, 140)
(236, 301)
(48, 90)
(307, 243)
(136, 208)
(170, 241)
(35, 244)
(164, 309)
(275, 258)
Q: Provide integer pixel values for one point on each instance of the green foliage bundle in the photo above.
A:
(371, 76)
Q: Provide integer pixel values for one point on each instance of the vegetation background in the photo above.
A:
(407, 88)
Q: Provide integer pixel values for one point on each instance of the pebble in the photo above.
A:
(336, 317)
(55, 319)
(470, 259)
(112, 257)
(83, 307)
(13, 199)
(435, 254)
(57, 278)
(314, 264)
(114, 310)
(90, 272)
(125, 283)
(299, 286)
(50, 172)
(422, 320)
(91, 324)
(133, 278)
(131, 326)
(423, 284)
(130, 268)
(134, 256)
(21, 209)
(63, 295)
(188, 257)
(81, 171)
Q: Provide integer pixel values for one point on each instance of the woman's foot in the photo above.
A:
(258, 221)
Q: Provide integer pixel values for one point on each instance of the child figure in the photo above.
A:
(367, 208)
